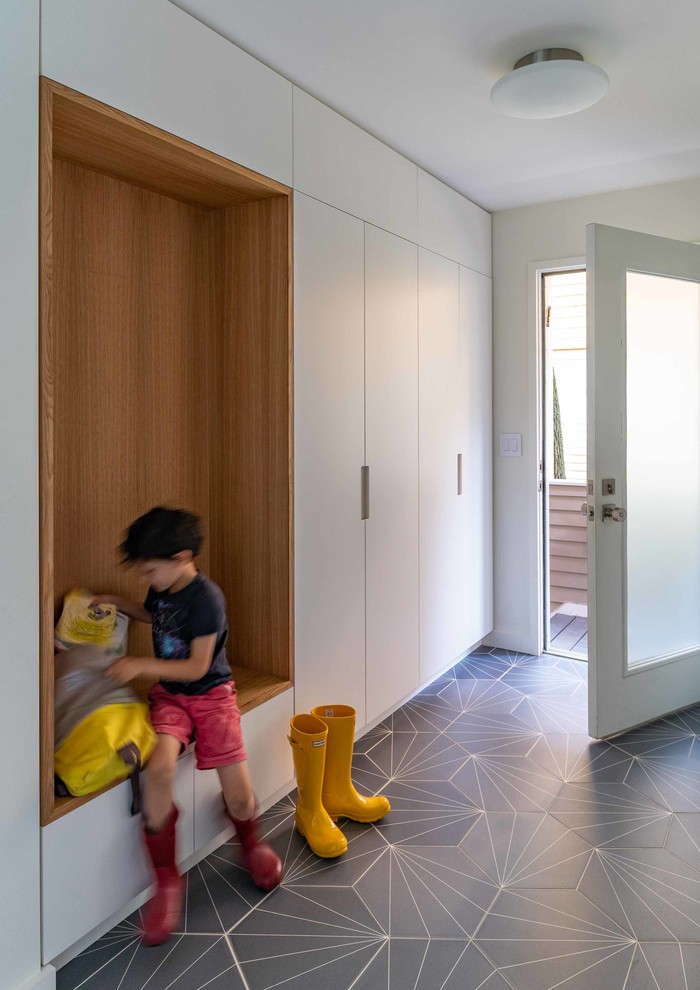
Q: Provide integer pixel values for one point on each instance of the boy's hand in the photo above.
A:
(105, 600)
(126, 669)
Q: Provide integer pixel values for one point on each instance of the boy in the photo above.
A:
(195, 697)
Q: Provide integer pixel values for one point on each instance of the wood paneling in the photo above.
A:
(165, 379)
(133, 332)
(252, 500)
(46, 445)
(99, 137)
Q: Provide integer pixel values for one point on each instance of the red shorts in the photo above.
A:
(212, 719)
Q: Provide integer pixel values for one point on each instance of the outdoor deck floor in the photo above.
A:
(569, 633)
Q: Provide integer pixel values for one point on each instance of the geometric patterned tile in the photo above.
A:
(426, 714)
(664, 966)
(483, 697)
(485, 664)
(541, 939)
(436, 892)
(518, 854)
(575, 757)
(683, 839)
(410, 756)
(316, 937)
(548, 711)
(526, 850)
(495, 733)
(611, 814)
(670, 776)
(426, 964)
(656, 738)
(550, 680)
(116, 965)
(430, 813)
(659, 894)
(506, 783)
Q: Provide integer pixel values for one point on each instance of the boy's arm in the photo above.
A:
(132, 609)
(197, 664)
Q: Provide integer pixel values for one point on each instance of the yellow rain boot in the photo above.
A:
(340, 799)
(308, 739)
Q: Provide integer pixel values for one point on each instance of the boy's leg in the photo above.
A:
(159, 778)
(219, 746)
(237, 790)
(262, 861)
(163, 911)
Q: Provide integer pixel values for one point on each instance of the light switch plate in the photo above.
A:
(511, 444)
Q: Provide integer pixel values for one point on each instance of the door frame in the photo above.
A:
(535, 462)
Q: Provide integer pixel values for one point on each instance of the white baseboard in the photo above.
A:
(380, 718)
(516, 642)
(45, 979)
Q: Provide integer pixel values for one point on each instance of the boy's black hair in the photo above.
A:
(161, 533)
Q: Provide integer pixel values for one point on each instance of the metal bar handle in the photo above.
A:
(364, 482)
(459, 474)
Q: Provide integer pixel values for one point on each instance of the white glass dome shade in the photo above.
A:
(551, 82)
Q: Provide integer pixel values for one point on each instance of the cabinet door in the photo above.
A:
(440, 547)
(329, 454)
(391, 396)
(475, 506)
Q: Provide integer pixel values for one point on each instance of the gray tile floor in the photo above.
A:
(518, 854)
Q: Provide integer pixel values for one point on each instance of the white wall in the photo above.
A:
(19, 579)
(548, 232)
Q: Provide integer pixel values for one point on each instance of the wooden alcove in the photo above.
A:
(166, 377)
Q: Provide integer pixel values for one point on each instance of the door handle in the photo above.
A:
(364, 496)
(614, 512)
(459, 474)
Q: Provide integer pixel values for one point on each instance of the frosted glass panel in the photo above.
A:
(663, 466)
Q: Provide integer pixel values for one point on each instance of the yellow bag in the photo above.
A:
(108, 745)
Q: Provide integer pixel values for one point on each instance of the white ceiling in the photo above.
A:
(417, 75)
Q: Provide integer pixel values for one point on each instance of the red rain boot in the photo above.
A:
(162, 912)
(261, 861)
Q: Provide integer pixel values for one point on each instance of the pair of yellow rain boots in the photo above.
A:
(322, 745)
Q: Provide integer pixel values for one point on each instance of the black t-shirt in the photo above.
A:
(199, 609)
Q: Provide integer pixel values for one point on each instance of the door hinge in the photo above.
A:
(548, 314)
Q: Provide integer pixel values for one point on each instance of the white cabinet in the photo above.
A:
(342, 165)
(475, 503)
(452, 226)
(391, 376)
(329, 454)
(93, 861)
(441, 545)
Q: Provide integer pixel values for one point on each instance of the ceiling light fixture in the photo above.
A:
(550, 82)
